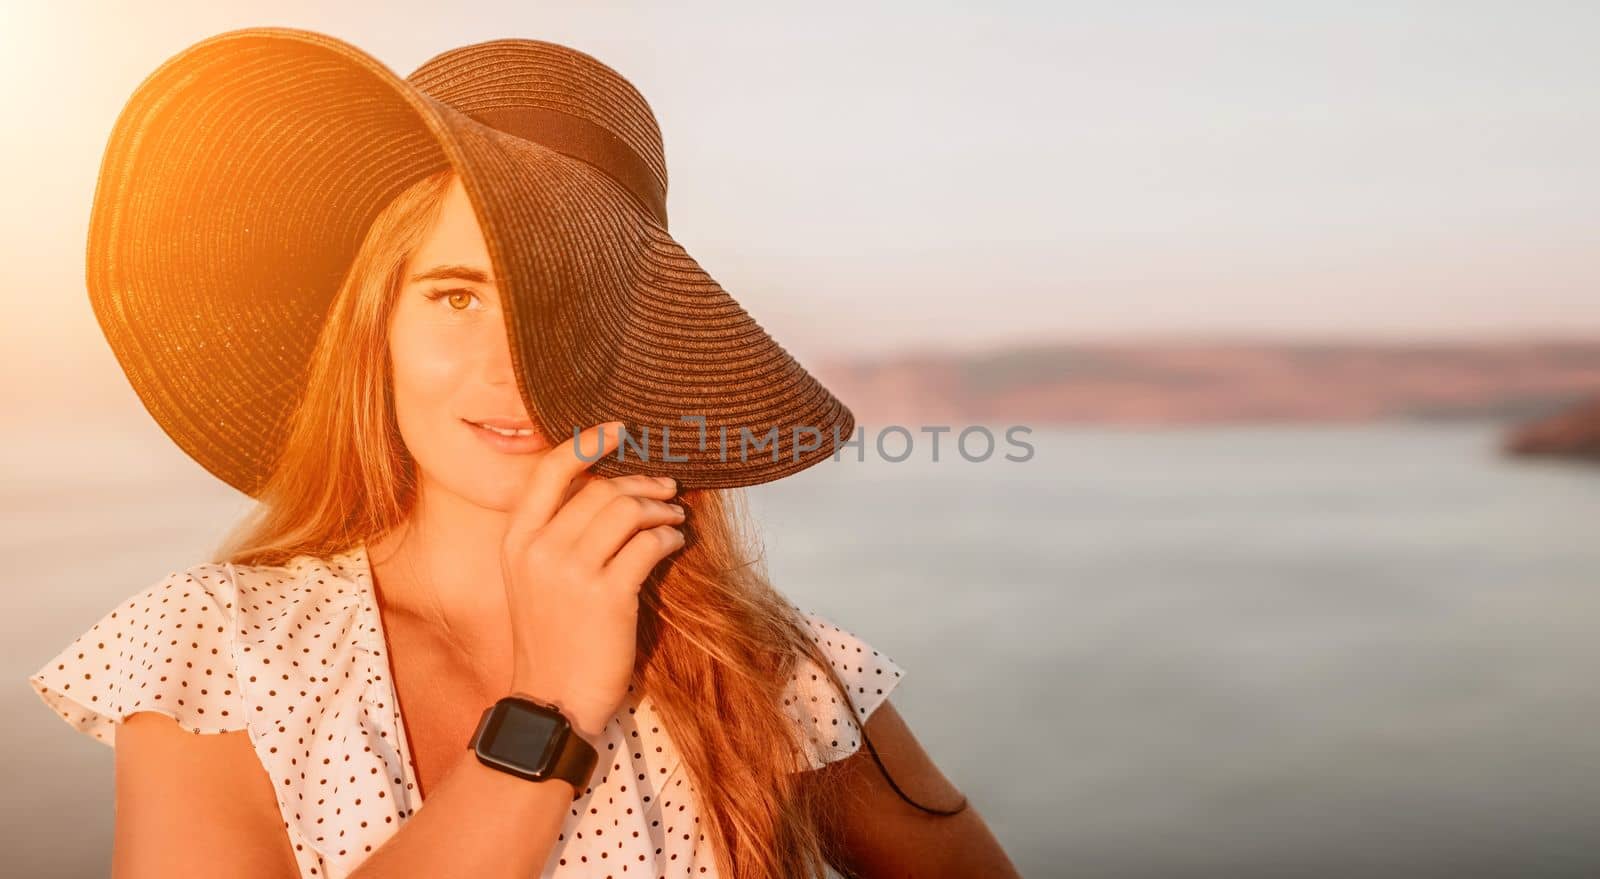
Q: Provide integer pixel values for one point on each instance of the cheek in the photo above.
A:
(433, 376)
(429, 373)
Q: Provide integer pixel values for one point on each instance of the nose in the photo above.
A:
(498, 365)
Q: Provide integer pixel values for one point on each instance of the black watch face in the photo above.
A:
(522, 737)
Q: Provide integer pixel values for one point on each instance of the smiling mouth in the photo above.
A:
(525, 431)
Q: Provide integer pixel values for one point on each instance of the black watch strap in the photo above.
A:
(575, 762)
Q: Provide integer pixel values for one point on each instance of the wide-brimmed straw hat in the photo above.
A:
(243, 173)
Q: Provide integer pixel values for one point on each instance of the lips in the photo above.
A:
(511, 444)
(496, 427)
(502, 423)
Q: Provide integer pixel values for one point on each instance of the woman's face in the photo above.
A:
(451, 363)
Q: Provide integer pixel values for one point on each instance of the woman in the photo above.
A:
(409, 567)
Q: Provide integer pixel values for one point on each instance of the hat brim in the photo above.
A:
(237, 185)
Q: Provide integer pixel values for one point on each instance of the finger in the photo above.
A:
(577, 516)
(618, 522)
(547, 486)
(634, 562)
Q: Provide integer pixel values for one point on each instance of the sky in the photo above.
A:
(868, 178)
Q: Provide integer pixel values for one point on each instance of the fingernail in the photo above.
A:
(668, 481)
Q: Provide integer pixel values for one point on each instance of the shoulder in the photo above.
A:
(176, 646)
(165, 649)
(829, 721)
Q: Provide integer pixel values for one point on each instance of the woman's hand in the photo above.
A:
(577, 549)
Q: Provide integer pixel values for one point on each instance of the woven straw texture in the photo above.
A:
(242, 174)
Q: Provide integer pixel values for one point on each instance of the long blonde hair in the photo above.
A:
(717, 642)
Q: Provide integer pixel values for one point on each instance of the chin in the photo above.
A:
(483, 478)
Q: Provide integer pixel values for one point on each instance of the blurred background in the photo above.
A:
(1298, 302)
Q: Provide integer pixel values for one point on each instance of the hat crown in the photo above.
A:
(558, 96)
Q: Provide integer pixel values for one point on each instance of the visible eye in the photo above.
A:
(453, 293)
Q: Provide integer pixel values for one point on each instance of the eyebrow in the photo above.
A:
(453, 272)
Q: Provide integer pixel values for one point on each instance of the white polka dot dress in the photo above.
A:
(295, 656)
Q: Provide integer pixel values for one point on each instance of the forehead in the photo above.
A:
(456, 240)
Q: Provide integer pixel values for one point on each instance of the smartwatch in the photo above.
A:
(535, 741)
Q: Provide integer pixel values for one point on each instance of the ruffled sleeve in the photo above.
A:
(167, 649)
(831, 729)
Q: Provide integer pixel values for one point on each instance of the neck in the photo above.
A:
(442, 570)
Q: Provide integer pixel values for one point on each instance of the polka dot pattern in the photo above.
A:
(295, 656)
(831, 728)
(166, 650)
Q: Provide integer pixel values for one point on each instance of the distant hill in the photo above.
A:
(1209, 382)
(1573, 432)
(1548, 393)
